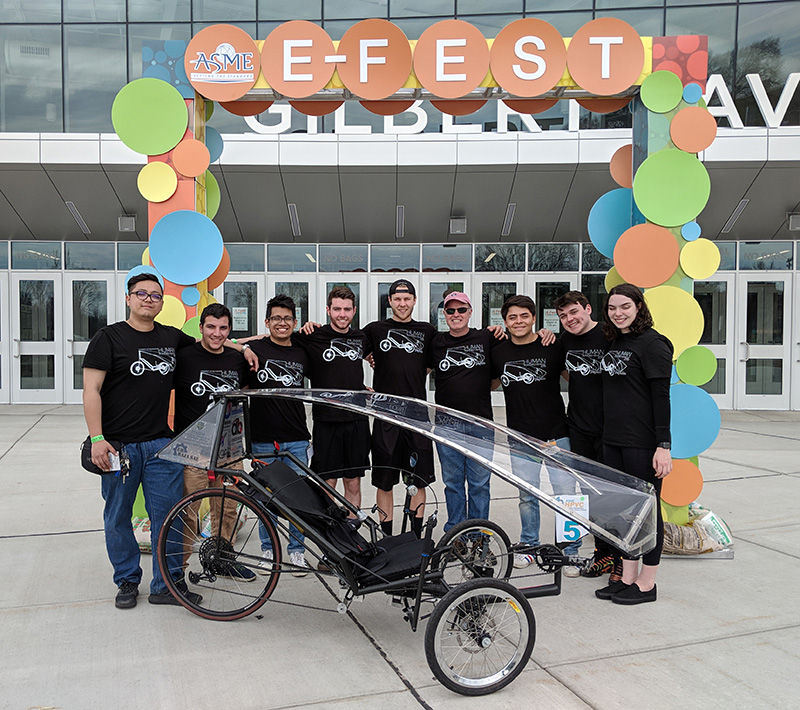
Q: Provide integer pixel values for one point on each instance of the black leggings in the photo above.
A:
(639, 463)
(591, 447)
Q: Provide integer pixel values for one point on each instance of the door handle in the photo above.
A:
(16, 347)
(71, 352)
(746, 352)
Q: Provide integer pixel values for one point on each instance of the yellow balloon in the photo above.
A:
(157, 182)
(700, 258)
(613, 278)
(676, 315)
(173, 313)
(146, 257)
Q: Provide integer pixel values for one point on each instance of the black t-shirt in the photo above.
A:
(335, 361)
(628, 368)
(463, 371)
(281, 367)
(201, 373)
(584, 354)
(530, 377)
(139, 368)
(401, 356)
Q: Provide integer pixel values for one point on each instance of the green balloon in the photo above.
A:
(696, 365)
(671, 187)
(149, 116)
(661, 91)
(192, 327)
(212, 195)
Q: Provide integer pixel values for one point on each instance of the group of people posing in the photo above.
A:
(618, 374)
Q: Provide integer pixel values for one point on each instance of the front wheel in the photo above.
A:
(480, 636)
(471, 549)
(328, 354)
(385, 345)
(210, 545)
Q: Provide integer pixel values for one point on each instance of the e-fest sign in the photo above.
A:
(647, 225)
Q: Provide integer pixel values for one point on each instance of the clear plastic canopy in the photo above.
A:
(621, 508)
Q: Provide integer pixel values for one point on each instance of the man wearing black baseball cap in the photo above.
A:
(400, 349)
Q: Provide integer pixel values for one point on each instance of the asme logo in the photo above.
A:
(223, 66)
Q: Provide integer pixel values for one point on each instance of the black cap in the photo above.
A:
(404, 286)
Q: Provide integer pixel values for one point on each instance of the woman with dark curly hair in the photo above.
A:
(636, 431)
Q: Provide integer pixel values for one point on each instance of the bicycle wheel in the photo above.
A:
(480, 636)
(211, 545)
(474, 549)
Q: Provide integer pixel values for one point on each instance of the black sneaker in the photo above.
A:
(599, 567)
(126, 595)
(236, 571)
(166, 597)
(631, 594)
(611, 589)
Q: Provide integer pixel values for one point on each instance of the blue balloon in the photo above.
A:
(190, 296)
(610, 216)
(175, 48)
(695, 420)
(692, 93)
(136, 270)
(674, 379)
(691, 231)
(214, 143)
(186, 246)
(157, 72)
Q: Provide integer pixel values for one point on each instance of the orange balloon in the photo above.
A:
(316, 108)
(622, 166)
(221, 272)
(530, 106)
(246, 108)
(646, 255)
(604, 105)
(693, 129)
(387, 108)
(191, 158)
(683, 485)
(459, 108)
(308, 68)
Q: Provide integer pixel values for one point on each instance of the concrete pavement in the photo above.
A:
(723, 633)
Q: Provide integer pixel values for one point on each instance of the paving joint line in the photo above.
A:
(21, 437)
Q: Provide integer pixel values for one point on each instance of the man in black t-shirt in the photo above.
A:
(530, 373)
(127, 378)
(585, 345)
(206, 368)
(461, 362)
(400, 349)
(277, 422)
(335, 360)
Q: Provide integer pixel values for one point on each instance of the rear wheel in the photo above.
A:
(212, 536)
(471, 549)
(480, 636)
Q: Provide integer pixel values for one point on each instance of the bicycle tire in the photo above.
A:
(477, 549)
(480, 636)
(206, 562)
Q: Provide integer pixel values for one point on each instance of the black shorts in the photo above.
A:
(341, 449)
(392, 451)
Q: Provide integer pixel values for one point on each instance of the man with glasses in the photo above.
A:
(127, 378)
(279, 423)
(461, 362)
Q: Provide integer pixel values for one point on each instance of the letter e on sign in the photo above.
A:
(298, 59)
(451, 58)
(606, 56)
(378, 59)
(528, 57)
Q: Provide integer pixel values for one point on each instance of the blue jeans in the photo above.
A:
(300, 450)
(457, 470)
(529, 514)
(162, 482)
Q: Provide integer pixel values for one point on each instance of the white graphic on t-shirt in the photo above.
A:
(154, 360)
(615, 362)
(343, 347)
(283, 371)
(411, 341)
(585, 362)
(462, 356)
(525, 371)
(214, 381)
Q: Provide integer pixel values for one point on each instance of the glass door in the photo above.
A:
(544, 289)
(245, 295)
(5, 389)
(716, 299)
(763, 341)
(377, 305)
(302, 289)
(37, 368)
(796, 348)
(431, 297)
(89, 304)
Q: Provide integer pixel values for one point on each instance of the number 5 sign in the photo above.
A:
(568, 530)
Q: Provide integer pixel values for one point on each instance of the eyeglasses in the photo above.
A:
(143, 296)
(282, 319)
(452, 311)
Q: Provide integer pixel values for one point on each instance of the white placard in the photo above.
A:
(441, 324)
(495, 317)
(239, 318)
(568, 530)
(550, 320)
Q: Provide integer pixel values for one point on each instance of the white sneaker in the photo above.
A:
(265, 566)
(298, 559)
(571, 572)
(522, 561)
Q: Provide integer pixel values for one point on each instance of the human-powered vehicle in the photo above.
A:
(480, 627)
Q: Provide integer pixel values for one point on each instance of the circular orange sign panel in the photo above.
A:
(298, 59)
(528, 57)
(378, 59)
(221, 62)
(451, 58)
(605, 56)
